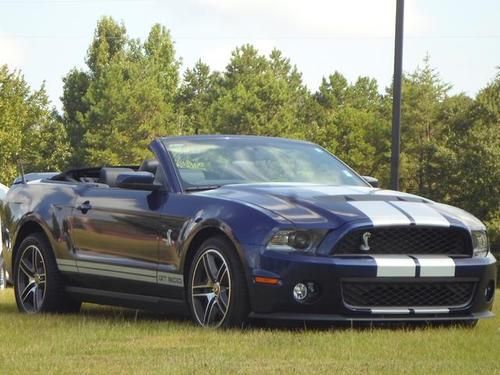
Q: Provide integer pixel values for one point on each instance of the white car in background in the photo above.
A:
(3, 191)
(3, 280)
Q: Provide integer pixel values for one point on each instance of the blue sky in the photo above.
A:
(46, 38)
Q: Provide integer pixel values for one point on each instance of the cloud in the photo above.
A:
(324, 18)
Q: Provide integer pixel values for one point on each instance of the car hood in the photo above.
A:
(332, 206)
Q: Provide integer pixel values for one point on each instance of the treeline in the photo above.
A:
(131, 91)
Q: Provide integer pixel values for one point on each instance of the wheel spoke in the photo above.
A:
(222, 302)
(222, 272)
(205, 286)
(37, 298)
(42, 278)
(210, 267)
(30, 288)
(34, 255)
(209, 311)
(202, 290)
(210, 295)
(25, 268)
(38, 266)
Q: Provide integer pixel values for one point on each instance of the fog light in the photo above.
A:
(489, 291)
(300, 292)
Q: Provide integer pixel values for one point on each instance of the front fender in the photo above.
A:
(194, 228)
(241, 224)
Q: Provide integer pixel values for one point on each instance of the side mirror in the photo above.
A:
(372, 181)
(137, 180)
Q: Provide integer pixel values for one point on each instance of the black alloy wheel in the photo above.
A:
(38, 284)
(217, 290)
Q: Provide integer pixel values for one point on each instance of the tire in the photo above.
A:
(38, 284)
(217, 290)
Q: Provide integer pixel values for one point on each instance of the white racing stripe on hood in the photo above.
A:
(422, 213)
(395, 266)
(436, 266)
(381, 213)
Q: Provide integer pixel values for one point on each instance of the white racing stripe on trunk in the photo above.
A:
(436, 266)
(390, 310)
(431, 310)
(381, 213)
(395, 266)
(422, 213)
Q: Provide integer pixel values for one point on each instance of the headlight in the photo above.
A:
(480, 243)
(301, 240)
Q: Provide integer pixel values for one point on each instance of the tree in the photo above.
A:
(260, 95)
(125, 98)
(76, 83)
(352, 124)
(110, 40)
(29, 130)
(422, 149)
(195, 97)
(478, 160)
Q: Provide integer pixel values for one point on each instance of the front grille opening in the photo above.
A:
(406, 240)
(410, 294)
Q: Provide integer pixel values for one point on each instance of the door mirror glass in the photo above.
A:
(372, 181)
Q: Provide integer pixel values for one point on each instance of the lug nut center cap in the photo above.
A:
(216, 289)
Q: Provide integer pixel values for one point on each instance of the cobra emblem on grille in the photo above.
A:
(365, 246)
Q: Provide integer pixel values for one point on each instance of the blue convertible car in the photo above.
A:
(231, 228)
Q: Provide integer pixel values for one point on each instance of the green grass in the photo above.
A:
(105, 340)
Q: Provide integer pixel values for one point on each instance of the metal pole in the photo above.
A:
(396, 95)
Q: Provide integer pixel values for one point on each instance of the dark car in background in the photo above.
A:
(229, 228)
(3, 279)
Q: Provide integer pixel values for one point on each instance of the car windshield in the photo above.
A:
(210, 163)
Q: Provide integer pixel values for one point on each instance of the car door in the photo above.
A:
(115, 237)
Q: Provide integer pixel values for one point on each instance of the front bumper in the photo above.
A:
(380, 318)
(329, 274)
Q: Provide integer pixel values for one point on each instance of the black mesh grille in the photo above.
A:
(407, 240)
(377, 294)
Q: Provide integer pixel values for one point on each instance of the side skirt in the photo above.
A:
(133, 301)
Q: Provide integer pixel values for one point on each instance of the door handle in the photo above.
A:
(84, 207)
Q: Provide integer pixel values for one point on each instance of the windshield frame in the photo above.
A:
(259, 140)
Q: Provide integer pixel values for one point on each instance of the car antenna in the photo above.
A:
(21, 170)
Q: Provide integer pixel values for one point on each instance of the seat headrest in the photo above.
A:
(108, 175)
(149, 166)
